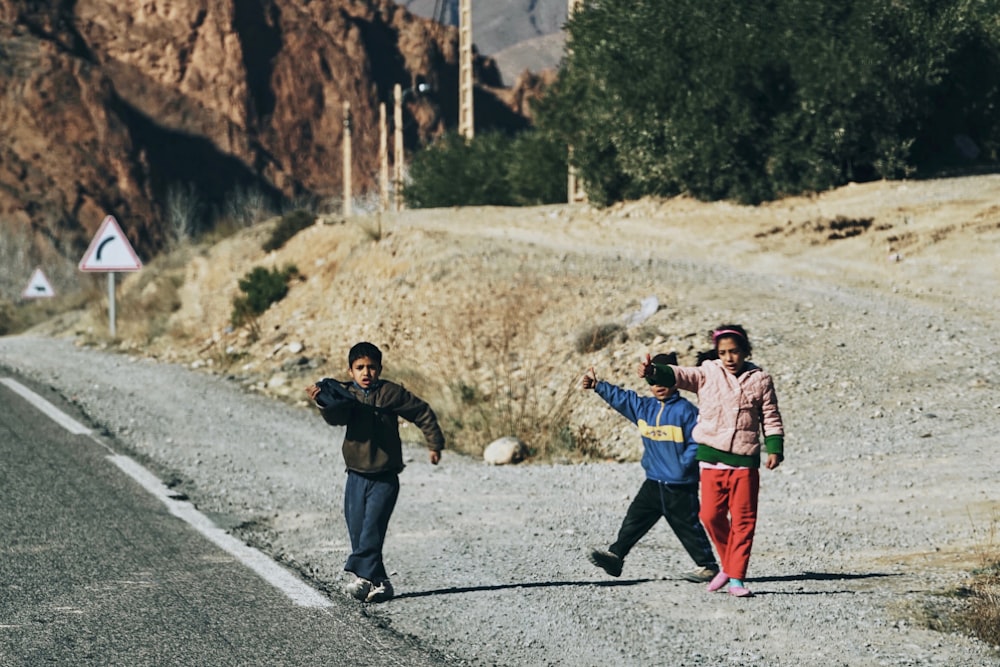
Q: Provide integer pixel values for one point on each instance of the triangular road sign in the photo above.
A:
(38, 287)
(110, 250)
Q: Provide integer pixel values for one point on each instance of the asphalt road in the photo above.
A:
(96, 571)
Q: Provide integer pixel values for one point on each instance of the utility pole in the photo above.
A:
(466, 126)
(574, 191)
(397, 145)
(347, 160)
(383, 160)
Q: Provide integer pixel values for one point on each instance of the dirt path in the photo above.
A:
(882, 344)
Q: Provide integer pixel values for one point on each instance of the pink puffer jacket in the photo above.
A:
(731, 410)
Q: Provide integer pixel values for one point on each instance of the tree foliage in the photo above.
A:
(754, 100)
(261, 288)
(491, 169)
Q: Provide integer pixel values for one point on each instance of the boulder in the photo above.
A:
(502, 451)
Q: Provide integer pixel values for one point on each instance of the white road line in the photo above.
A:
(51, 411)
(297, 590)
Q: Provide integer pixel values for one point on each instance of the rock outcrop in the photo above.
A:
(109, 107)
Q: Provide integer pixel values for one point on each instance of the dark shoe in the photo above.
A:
(380, 593)
(607, 561)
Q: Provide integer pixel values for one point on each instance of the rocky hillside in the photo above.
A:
(489, 299)
(109, 107)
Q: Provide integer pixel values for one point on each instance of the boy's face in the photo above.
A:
(660, 392)
(365, 372)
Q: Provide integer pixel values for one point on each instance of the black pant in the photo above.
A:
(678, 504)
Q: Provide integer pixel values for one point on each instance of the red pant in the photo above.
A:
(729, 513)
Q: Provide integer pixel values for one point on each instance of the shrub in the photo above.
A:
(245, 206)
(8, 318)
(184, 211)
(288, 226)
(261, 287)
(491, 169)
(597, 337)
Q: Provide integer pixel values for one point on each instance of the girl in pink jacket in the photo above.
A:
(736, 403)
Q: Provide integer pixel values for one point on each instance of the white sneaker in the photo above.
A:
(381, 593)
(358, 589)
(700, 575)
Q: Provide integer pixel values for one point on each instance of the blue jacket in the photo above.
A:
(668, 448)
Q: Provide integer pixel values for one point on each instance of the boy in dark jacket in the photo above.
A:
(665, 422)
(370, 409)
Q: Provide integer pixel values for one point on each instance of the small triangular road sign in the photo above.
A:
(110, 250)
(38, 287)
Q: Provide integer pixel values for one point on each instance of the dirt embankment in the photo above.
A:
(874, 307)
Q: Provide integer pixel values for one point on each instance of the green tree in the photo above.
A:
(750, 101)
(491, 169)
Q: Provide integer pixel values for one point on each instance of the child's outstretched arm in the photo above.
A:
(660, 374)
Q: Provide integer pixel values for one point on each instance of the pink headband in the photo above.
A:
(716, 335)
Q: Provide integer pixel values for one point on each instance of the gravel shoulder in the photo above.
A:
(888, 387)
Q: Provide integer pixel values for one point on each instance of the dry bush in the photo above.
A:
(246, 206)
(597, 337)
(496, 381)
(974, 608)
(981, 615)
(144, 300)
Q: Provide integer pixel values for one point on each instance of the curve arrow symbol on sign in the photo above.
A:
(105, 242)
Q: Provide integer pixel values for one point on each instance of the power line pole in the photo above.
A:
(466, 126)
(383, 160)
(574, 190)
(397, 145)
(348, 187)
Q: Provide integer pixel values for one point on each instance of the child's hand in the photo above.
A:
(589, 380)
(313, 391)
(435, 457)
(646, 368)
(773, 461)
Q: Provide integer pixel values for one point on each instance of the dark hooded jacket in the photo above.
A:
(372, 444)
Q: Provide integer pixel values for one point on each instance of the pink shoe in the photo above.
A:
(740, 592)
(718, 581)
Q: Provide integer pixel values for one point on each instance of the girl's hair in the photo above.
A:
(707, 355)
(734, 331)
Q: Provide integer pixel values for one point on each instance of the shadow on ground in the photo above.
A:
(534, 584)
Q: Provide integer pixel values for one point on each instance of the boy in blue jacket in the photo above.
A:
(665, 421)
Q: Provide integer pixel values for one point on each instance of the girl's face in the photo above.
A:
(365, 372)
(731, 354)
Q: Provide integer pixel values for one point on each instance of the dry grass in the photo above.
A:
(143, 304)
(981, 613)
(502, 384)
(981, 616)
(973, 608)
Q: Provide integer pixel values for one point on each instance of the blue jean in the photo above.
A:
(368, 504)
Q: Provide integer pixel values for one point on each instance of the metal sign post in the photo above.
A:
(111, 301)
(110, 251)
